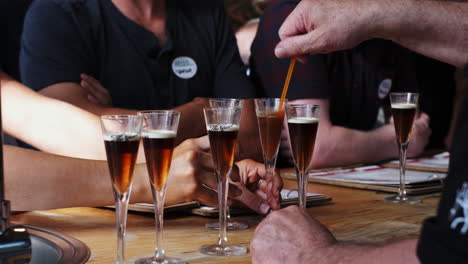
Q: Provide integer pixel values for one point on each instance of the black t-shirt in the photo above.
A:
(355, 81)
(63, 38)
(11, 24)
(444, 238)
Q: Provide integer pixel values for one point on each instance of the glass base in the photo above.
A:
(402, 200)
(165, 260)
(226, 250)
(230, 226)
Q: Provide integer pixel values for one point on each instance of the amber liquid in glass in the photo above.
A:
(223, 140)
(303, 132)
(122, 151)
(270, 132)
(403, 116)
(159, 146)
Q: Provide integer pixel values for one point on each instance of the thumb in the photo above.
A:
(240, 193)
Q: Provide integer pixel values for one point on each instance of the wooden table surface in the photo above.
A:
(354, 215)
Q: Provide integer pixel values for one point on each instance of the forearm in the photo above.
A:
(36, 181)
(400, 252)
(48, 124)
(339, 146)
(192, 120)
(436, 29)
(249, 139)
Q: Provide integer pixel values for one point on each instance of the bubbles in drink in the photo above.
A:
(223, 127)
(158, 134)
(303, 120)
(126, 136)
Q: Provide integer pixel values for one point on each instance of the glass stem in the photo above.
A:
(228, 214)
(158, 198)
(121, 206)
(402, 189)
(222, 200)
(302, 191)
(270, 174)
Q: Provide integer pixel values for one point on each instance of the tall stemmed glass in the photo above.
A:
(159, 134)
(270, 123)
(227, 103)
(222, 125)
(121, 138)
(404, 106)
(303, 120)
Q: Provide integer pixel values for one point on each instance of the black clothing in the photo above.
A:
(444, 238)
(199, 59)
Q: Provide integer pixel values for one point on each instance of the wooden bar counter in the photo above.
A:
(354, 215)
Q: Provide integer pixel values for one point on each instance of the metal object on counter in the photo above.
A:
(15, 243)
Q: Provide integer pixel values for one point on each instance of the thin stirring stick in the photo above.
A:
(286, 83)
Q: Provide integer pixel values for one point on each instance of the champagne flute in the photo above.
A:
(404, 107)
(270, 119)
(303, 120)
(222, 125)
(159, 134)
(121, 139)
(229, 103)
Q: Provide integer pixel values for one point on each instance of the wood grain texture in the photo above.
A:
(354, 216)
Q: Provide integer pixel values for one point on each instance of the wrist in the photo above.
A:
(387, 133)
(341, 253)
(389, 19)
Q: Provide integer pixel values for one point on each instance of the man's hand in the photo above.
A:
(322, 26)
(419, 136)
(97, 94)
(194, 178)
(249, 185)
(290, 235)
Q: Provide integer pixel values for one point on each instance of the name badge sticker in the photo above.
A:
(184, 67)
(384, 88)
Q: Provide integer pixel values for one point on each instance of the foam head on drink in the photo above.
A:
(404, 106)
(159, 146)
(303, 120)
(158, 134)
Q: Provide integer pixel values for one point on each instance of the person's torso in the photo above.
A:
(140, 73)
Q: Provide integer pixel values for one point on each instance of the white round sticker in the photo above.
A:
(384, 88)
(184, 67)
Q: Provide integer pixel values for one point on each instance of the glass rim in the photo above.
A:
(220, 108)
(117, 117)
(225, 98)
(403, 93)
(156, 112)
(304, 105)
(270, 98)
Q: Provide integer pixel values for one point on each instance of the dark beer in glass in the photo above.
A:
(121, 135)
(404, 107)
(303, 121)
(222, 125)
(159, 134)
(403, 116)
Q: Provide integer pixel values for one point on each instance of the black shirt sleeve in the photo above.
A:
(231, 79)
(444, 238)
(310, 80)
(53, 48)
